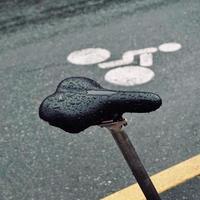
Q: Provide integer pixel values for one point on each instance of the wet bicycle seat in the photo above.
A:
(80, 102)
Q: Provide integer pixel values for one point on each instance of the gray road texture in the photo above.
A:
(44, 163)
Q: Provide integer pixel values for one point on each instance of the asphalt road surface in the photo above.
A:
(42, 162)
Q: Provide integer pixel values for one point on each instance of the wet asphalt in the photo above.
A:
(42, 162)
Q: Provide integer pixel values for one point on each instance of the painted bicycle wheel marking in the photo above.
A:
(123, 74)
(88, 56)
(129, 75)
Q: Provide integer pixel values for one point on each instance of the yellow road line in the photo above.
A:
(163, 181)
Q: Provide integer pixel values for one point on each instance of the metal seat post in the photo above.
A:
(132, 158)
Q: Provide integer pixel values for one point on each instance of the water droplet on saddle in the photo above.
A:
(60, 98)
(56, 106)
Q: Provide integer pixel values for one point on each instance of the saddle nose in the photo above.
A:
(79, 103)
(138, 102)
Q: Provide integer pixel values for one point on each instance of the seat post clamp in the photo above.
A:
(114, 125)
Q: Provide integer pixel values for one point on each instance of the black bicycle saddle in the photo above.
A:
(80, 102)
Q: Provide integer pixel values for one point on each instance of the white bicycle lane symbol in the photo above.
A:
(123, 73)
